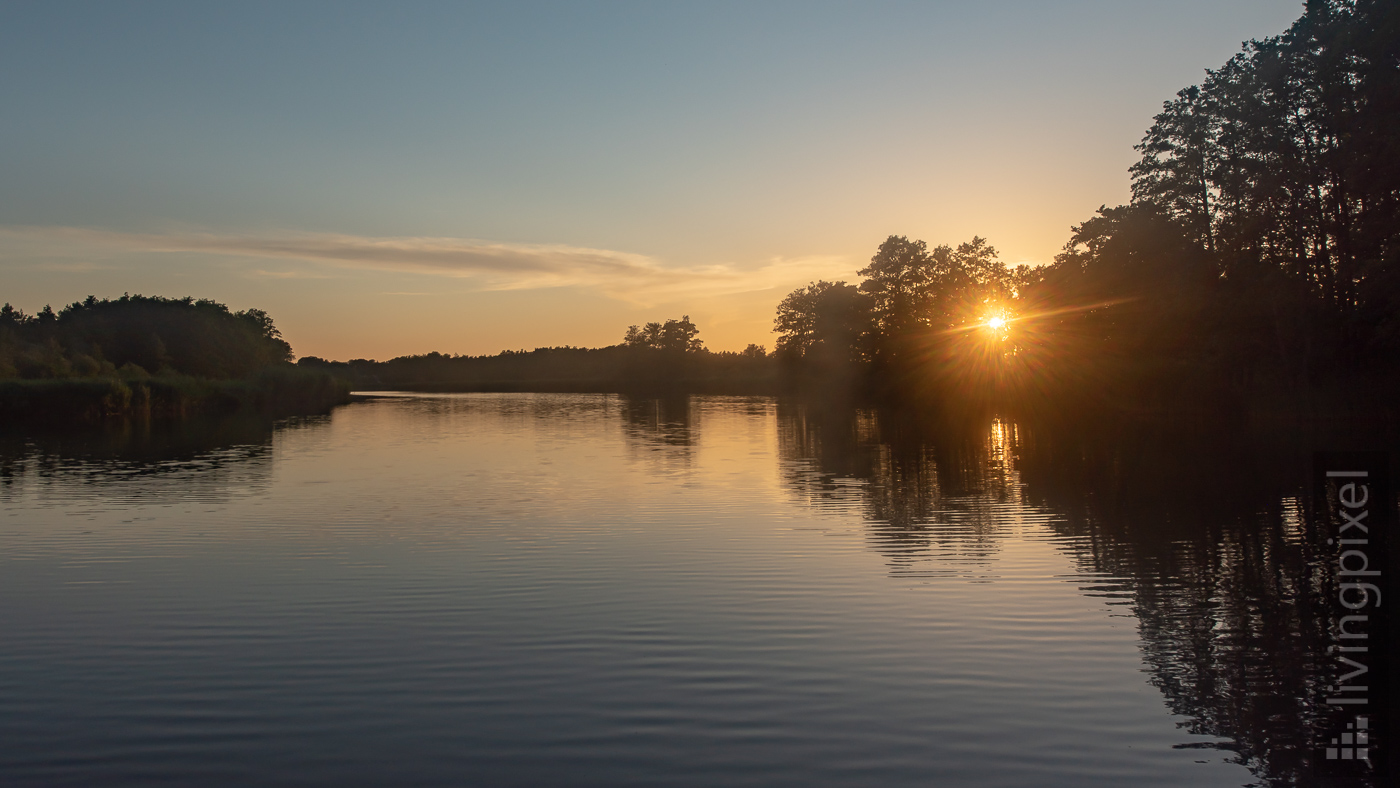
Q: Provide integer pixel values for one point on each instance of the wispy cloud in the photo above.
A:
(490, 266)
(260, 273)
(73, 266)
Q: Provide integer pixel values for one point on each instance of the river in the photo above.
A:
(508, 589)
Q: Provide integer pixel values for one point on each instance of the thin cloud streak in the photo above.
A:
(492, 266)
(260, 273)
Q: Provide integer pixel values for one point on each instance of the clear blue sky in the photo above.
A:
(399, 178)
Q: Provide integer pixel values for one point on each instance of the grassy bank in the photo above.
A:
(276, 391)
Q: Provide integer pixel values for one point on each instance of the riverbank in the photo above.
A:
(275, 391)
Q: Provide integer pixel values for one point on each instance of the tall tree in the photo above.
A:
(824, 319)
(1282, 160)
(676, 336)
(1178, 152)
(898, 281)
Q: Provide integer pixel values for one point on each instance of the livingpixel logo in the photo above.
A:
(1355, 491)
(1353, 742)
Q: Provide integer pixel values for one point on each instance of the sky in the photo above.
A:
(391, 179)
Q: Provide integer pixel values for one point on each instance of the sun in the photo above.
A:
(996, 325)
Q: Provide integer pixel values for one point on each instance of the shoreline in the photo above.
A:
(90, 400)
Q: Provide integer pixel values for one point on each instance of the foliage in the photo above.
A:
(96, 358)
(831, 319)
(1283, 162)
(178, 335)
(673, 336)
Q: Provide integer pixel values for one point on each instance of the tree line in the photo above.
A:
(658, 357)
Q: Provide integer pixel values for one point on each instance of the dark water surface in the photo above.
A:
(590, 590)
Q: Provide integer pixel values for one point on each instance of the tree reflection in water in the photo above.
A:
(1207, 533)
(131, 460)
(660, 422)
(932, 507)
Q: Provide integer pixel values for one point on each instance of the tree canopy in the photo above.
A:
(200, 338)
(676, 336)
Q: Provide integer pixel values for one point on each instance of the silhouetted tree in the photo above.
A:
(830, 320)
(677, 336)
(898, 280)
(1282, 160)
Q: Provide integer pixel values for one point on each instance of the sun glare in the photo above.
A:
(996, 322)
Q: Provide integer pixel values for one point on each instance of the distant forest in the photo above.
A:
(1258, 262)
(1257, 266)
(662, 358)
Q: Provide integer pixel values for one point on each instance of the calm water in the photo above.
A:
(591, 590)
